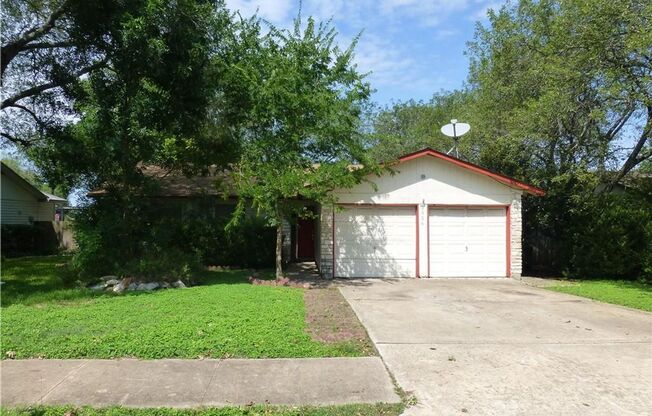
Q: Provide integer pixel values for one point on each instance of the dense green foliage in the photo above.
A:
(560, 96)
(179, 237)
(147, 105)
(410, 126)
(300, 124)
(224, 316)
(379, 409)
(632, 294)
(190, 88)
(36, 239)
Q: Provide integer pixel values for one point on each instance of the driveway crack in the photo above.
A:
(67, 376)
(210, 381)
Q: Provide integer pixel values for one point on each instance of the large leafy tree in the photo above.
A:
(47, 48)
(409, 126)
(301, 130)
(571, 79)
(150, 103)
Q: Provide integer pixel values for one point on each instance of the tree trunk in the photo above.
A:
(279, 249)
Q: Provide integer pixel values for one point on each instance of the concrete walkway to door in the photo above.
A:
(195, 383)
(499, 347)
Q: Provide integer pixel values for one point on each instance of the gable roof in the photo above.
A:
(506, 180)
(37, 193)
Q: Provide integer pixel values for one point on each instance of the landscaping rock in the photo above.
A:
(119, 288)
(99, 286)
(112, 282)
(109, 277)
(179, 284)
(165, 285)
(283, 281)
(122, 285)
(132, 286)
(149, 286)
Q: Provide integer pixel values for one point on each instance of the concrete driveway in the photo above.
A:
(500, 347)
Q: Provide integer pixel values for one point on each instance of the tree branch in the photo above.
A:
(13, 48)
(635, 156)
(48, 45)
(619, 124)
(30, 112)
(14, 139)
(49, 85)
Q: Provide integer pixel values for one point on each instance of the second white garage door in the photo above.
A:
(375, 242)
(467, 242)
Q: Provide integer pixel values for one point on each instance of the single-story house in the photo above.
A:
(23, 203)
(29, 217)
(437, 216)
(433, 216)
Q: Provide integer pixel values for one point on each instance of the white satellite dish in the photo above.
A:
(455, 130)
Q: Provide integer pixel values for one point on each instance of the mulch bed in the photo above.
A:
(330, 319)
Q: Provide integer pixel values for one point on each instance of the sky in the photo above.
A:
(411, 48)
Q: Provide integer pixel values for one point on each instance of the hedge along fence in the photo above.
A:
(166, 239)
(37, 239)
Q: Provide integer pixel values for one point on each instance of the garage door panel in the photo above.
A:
(376, 268)
(375, 242)
(467, 242)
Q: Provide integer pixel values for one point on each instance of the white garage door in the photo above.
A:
(375, 242)
(467, 242)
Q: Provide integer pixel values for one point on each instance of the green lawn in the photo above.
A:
(347, 410)
(632, 294)
(223, 317)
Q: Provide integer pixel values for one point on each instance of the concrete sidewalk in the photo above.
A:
(194, 383)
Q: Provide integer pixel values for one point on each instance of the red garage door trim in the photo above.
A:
(416, 215)
(508, 232)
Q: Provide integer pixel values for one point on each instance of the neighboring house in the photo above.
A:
(633, 180)
(23, 203)
(28, 218)
(434, 216)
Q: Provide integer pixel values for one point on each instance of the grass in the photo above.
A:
(33, 280)
(379, 409)
(632, 294)
(223, 317)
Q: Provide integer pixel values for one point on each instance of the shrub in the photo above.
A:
(151, 239)
(37, 239)
(577, 231)
(612, 239)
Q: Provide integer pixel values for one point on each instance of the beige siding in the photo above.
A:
(432, 181)
(19, 206)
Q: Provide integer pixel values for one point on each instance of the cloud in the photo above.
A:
(276, 11)
(407, 45)
(483, 9)
(384, 61)
(428, 13)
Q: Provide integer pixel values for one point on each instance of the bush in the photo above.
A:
(583, 234)
(38, 239)
(154, 240)
(613, 239)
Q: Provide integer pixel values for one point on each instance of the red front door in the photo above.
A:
(306, 238)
